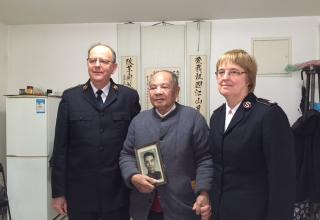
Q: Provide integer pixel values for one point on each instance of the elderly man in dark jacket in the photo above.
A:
(182, 134)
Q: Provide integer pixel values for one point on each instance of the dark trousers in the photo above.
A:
(118, 214)
(155, 216)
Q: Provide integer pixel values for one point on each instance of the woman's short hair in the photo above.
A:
(245, 61)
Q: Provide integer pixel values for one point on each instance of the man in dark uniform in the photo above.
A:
(91, 126)
(149, 160)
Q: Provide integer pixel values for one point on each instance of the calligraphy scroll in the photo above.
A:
(198, 87)
(129, 70)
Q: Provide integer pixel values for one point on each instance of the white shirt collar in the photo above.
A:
(105, 91)
(228, 109)
(229, 114)
(164, 115)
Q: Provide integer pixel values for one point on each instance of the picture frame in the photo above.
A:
(149, 161)
(272, 54)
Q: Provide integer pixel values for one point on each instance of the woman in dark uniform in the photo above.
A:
(252, 147)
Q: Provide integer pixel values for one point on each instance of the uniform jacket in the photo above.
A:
(254, 163)
(88, 141)
(183, 137)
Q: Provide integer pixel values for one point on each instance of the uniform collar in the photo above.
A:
(233, 110)
(105, 89)
(89, 95)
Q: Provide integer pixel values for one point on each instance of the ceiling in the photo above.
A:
(19, 12)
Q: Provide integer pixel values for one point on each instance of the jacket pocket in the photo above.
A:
(80, 123)
(80, 116)
(121, 120)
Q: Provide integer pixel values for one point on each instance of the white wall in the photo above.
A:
(53, 56)
(285, 90)
(3, 88)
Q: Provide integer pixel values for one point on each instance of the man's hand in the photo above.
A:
(143, 183)
(202, 206)
(60, 205)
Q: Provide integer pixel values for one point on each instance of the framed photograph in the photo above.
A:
(150, 162)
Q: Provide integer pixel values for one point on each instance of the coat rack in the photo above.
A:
(311, 72)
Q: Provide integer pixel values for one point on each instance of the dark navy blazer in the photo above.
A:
(254, 163)
(87, 144)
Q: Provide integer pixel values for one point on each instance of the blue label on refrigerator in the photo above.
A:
(40, 106)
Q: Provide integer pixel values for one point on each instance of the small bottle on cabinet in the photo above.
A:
(29, 90)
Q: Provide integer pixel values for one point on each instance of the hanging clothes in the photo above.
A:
(306, 131)
(307, 144)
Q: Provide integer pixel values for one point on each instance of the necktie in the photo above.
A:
(99, 98)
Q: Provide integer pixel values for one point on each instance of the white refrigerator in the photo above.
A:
(30, 124)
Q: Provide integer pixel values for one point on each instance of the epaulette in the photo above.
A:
(265, 102)
(72, 87)
(124, 85)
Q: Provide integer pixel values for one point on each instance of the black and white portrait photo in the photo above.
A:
(150, 162)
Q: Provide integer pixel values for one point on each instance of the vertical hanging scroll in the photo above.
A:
(198, 57)
(129, 54)
(129, 71)
(198, 86)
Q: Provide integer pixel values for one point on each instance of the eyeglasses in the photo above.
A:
(93, 61)
(231, 73)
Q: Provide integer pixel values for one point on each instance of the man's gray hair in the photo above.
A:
(174, 76)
